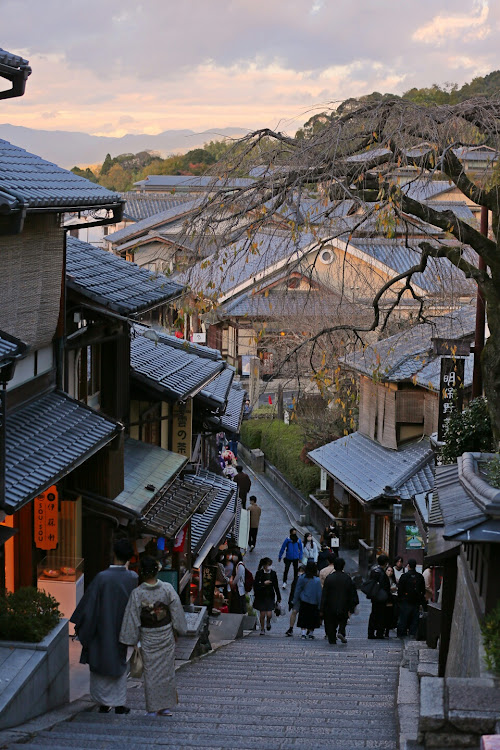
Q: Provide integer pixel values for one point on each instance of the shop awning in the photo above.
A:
(147, 469)
(230, 420)
(45, 440)
(172, 507)
(214, 537)
(205, 526)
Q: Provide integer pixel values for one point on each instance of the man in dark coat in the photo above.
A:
(98, 619)
(244, 483)
(378, 615)
(339, 598)
(411, 596)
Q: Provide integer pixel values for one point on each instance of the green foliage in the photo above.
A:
(87, 173)
(469, 430)
(491, 639)
(282, 445)
(27, 615)
(493, 471)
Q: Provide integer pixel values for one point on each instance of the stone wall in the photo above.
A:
(465, 639)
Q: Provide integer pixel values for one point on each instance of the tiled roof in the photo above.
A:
(239, 263)
(140, 206)
(369, 471)
(41, 184)
(166, 216)
(217, 390)
(280, 303)
(45, 439)
(230, 421)
(223, 497)
(114, 282)
(455, 504)
(14, 61)
(173, 506)
(401, 356)
(177, 368)
(429, 375)
(425, 190)
(146, 464)
(461, 210)
(189, 182)
(10, 347)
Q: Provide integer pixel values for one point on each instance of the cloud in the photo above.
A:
(249, 63)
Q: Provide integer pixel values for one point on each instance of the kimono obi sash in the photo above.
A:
(155, 615)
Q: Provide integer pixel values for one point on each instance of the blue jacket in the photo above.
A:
(293, 549)
(307, 590)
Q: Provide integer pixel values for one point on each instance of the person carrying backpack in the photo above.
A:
(411, 596)
(292, 548)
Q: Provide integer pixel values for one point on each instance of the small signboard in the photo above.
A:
(199, 338)
(451, 390)
(46, 508)
(413, 538)
(182, 428)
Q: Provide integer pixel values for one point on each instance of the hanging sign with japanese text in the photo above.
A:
(182, 428)
(46, 508)
(451, 390)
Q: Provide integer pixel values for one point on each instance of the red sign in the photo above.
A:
(46, 519)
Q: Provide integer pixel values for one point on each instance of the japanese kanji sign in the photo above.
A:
(46, 519)
(182, 428)
(451, 390)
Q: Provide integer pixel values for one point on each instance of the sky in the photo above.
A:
(111, 68)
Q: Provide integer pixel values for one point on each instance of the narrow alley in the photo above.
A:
(272, 692)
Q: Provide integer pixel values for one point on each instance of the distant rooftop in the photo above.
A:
(190, 184)
(139, 206)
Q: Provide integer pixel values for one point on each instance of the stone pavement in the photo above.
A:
(270, 692)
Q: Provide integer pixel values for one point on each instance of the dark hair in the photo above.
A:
(265, 561)
(293, 529)
(331, 557)
(308, 533)
(382, 559)
(253, 499)
(239, 469)
(396, 559)
(412, 563)
(339, 563)
(300, 569)
(237, 554)
(149, 567)
(311, 569)
(123, 550)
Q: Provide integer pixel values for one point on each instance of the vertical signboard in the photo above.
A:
(46, 519)
(451, 390)
(182, 428)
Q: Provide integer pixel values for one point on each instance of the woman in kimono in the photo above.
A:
(154, 616)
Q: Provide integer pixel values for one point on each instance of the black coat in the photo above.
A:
(266, 595)
(339, 595)
(411, 588)
(378, 573)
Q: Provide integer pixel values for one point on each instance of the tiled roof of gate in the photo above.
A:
(369, 471)
(45, 439)
(178, 368)
(41, 184)
(114, 282)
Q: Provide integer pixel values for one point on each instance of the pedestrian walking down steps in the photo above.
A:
(255, 510)
(339, 599)
(293, 612)
(307, 601)
(310, 549)
(267, 593)
(293, 551)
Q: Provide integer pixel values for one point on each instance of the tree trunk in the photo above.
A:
(490, 363)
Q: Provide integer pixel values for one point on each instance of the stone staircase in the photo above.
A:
(268, 692)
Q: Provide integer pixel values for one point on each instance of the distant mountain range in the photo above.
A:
(69, 149)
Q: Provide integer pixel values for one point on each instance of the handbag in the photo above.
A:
(136, 664)
(370, 588)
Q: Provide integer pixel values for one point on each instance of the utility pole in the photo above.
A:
(477, 377)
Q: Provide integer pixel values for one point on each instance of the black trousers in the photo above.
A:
(377, 621)
(295, 564)
(334, 620)
(252, 537)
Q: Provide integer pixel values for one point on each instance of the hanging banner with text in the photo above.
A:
(46, 519)
(451, 390)
(182, 428)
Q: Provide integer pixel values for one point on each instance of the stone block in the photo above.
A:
(472, 694)
(449, 741)
(408, 720)
(427, 669)
(478, 721)
(432, 714)
(429, 655)
(257, 460)
(408, 686)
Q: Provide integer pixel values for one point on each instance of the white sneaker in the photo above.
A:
(284, 585)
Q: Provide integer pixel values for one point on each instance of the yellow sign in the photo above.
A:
(182, 428)
(46, 519)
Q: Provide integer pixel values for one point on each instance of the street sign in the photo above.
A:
(451, 390)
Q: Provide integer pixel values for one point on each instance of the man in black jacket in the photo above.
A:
(338, 599)
(411, 595)
(376, 623)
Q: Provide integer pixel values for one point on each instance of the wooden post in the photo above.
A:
(254, 381)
